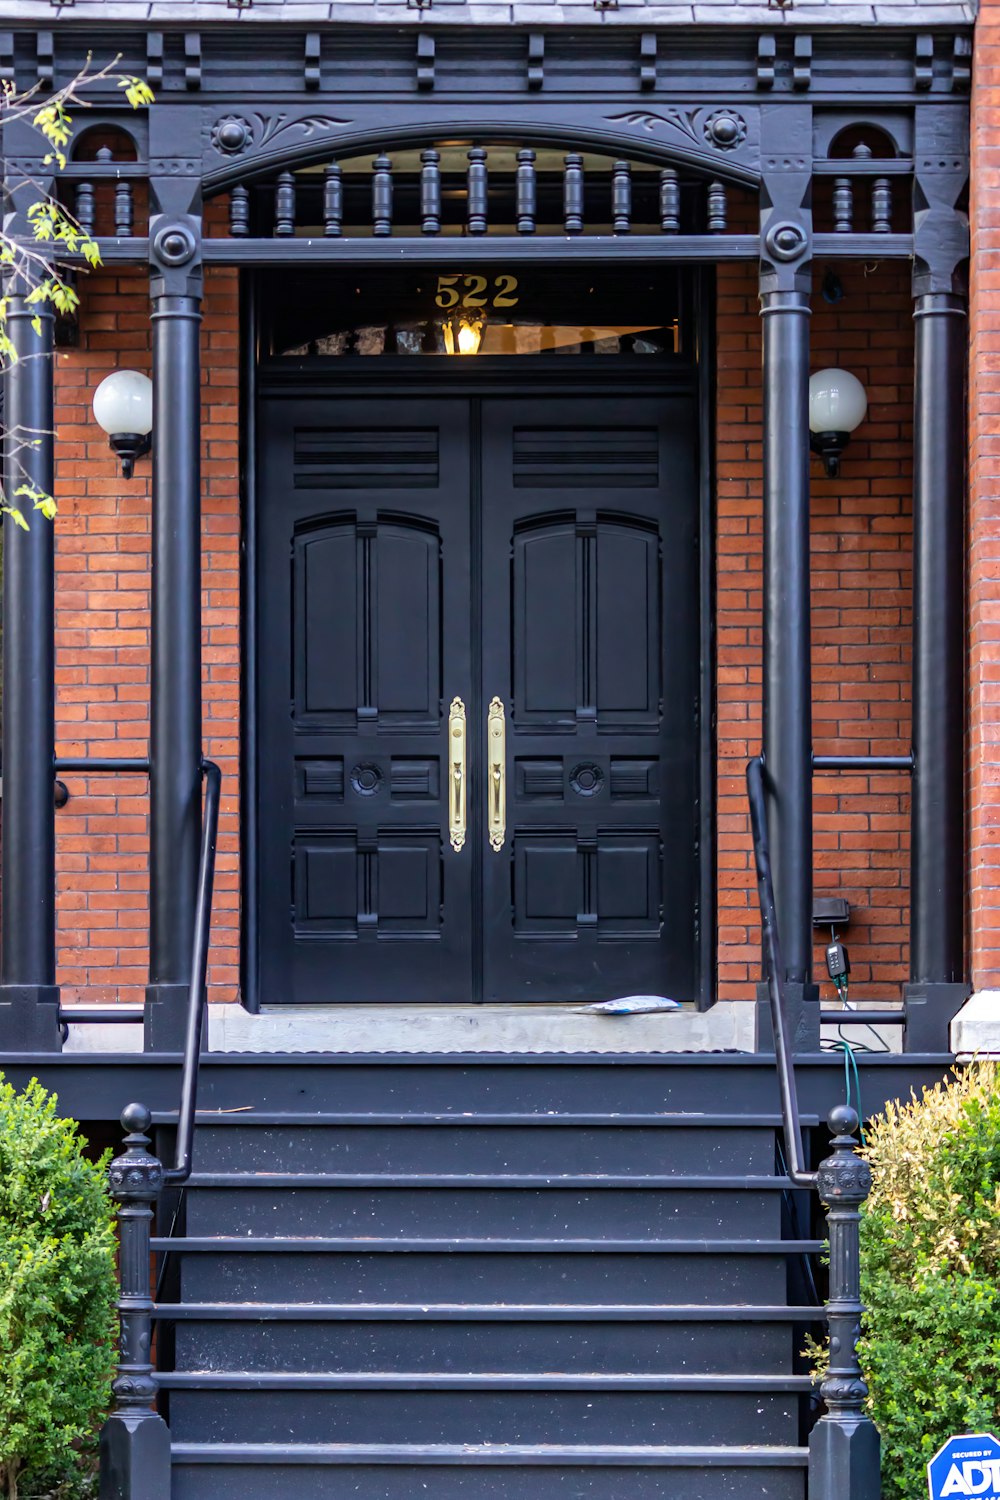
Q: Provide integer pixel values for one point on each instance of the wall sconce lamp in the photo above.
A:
(123, 406)
(837, 405)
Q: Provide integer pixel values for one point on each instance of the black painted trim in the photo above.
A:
(249, 894)
(705, 332)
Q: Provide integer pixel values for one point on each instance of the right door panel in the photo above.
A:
(591, 641)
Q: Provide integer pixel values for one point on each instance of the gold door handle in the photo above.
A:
(456, 773)
(496, 794)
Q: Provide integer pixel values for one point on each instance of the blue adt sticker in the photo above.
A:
(965, 1466)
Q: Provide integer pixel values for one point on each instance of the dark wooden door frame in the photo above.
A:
(437, 375)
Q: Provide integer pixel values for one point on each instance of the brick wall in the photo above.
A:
(861, 562)
(984, 509)
(102, 642)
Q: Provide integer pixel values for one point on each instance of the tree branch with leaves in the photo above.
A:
(34, 257)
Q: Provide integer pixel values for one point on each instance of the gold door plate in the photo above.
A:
(496, 795)
(456, 773)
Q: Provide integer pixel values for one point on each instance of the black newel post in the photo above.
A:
(937, 985)
(786, 229)
(135, 1440)
(29, 999)
(844, 1444)
(175, 707)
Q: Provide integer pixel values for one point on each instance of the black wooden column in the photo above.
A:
(937, 851)
(29, 998)
(786, 230)
(175, 696)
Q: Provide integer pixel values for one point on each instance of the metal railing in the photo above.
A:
(135, 1440)
(844, 1444)
(126, 1014)
(892, 1015)
(197, 988)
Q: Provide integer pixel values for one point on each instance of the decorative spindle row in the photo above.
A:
(880, 201)
(85, 207)
(575, 197)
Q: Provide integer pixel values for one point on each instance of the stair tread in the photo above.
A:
(436, 1453)
(491, 1311)
(548, 1246)
(723, 1182)
(404, 1380)
(251, 1116)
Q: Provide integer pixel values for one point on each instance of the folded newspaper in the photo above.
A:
(629, 1005)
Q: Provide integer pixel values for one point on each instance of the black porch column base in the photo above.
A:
(802, 1010)
(165, 1020)
(135, 1457)
(29, 1018)
(930, 1009)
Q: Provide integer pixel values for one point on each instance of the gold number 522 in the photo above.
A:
(474, 293)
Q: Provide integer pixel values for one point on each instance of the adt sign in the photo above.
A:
(967, 1465)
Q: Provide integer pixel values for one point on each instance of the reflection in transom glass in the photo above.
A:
(524, 310)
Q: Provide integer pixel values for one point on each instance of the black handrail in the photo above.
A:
(108, 1015)
(862, 762)
(774, 972)
(844, 1444)
(197, 988)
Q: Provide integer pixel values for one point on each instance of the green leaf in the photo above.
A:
(137, 92)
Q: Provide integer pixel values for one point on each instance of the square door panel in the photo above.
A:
(628, 883)
(408, 884)
(326, 885)
(547, 886)
(391, 884)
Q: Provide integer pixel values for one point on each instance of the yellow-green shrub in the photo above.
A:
(57, 1297)
(930, 1248)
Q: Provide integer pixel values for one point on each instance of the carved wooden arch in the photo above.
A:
(715, 142)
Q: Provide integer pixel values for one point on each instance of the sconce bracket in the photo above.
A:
(829, 446)
(127, 447)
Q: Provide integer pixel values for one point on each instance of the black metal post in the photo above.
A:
(937, 843)
(844, 1444)
(135, 1440)
(29, 997)
(175, 710)
(787, 685)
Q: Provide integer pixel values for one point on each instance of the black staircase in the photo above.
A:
(524, 1278)
(511, 1278)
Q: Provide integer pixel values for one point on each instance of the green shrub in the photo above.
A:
(57, 1298)
(930, 1246)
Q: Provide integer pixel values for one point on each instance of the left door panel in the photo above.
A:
(364, 641)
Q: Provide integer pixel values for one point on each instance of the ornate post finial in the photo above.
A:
(135, 1440)
(844, 1444)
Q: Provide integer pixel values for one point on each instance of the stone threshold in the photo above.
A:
(730, 1026)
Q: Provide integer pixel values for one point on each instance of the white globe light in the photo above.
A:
(837, 401)
(123, 402)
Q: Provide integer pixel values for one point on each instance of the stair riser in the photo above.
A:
(606, 1086)
(427, 1278)
(474, 1148)
(480, 1482)
(642, 1348)
(484, 1416)
(507, 1213)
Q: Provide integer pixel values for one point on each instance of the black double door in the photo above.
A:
(477, 727)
